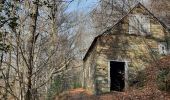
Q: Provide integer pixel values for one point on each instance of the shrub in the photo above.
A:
(61, 84)
(137, 80)
(54, 89)
(163, 79)
(131, 77)
(76, 85)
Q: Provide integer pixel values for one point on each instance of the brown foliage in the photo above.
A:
(152, 70)
(132, 94)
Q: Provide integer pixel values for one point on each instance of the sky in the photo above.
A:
(86, 5)
(82, 5)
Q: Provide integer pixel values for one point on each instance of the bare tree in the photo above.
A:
(41, 47)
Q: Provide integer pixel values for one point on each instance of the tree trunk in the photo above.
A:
(31, 46)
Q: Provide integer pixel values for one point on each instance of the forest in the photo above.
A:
(43, 43)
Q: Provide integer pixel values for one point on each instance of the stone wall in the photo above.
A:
(89, 71)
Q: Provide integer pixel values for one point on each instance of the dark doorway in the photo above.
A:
(117, 70)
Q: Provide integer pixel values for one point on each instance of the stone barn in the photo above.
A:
(129, 46)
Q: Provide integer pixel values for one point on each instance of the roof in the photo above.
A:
(109, 29)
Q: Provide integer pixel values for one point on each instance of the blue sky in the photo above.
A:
(82, 5)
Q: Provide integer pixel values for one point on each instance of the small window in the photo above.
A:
(162, 48)
(139, 24)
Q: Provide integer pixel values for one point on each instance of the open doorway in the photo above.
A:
(117, 76)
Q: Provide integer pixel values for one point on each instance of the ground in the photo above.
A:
(144, 94)
(148, 92)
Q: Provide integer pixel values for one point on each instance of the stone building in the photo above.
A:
(135, 41)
